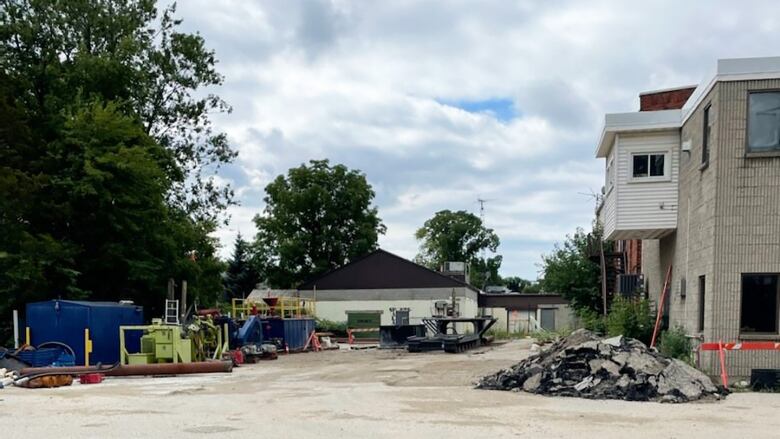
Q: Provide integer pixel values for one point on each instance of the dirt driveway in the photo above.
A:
(364, 394)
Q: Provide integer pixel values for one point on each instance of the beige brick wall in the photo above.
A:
(728, 223)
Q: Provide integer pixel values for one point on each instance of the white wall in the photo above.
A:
(524, 321)
(610, 195)
(336, 310)
(643, 204)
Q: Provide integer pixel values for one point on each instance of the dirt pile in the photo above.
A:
(586, 366)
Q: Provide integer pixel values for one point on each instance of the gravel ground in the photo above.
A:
(364, 394)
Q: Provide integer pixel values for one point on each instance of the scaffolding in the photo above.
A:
(282, 306)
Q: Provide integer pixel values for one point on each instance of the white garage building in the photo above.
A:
(384, 289)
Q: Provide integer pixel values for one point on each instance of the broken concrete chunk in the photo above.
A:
(614, 341)
(611, 367)
(583, 365)
(532, 384)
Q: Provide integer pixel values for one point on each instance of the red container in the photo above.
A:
(91, 378)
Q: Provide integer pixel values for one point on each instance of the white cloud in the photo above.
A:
(362, 83)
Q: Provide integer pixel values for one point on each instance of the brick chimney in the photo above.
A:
(668, 99)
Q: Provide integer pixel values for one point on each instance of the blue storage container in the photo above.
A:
(294, 332)
(64, 321)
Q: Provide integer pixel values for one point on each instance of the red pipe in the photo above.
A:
(138, 369)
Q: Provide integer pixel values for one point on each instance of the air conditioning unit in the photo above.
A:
(458, 267)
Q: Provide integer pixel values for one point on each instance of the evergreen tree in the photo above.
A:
(241, 277)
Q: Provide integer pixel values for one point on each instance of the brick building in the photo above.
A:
(699, 185)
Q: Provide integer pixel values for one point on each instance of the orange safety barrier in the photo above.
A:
(314, 341)
(739, 346)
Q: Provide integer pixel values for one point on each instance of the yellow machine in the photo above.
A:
(282, 306)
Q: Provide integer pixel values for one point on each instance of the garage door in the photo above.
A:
(364, 319)
(547, 319)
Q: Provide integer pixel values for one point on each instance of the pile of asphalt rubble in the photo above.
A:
(587, 366)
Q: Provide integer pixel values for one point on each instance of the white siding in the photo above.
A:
(610, 197)
(334, 304)
(646, 205)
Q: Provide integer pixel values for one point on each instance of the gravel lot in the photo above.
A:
(364, 394)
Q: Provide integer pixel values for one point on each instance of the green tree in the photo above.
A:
(520, 285)
(241, 276)
(104, 154)
(57, 53)
(484, 272)
(317, 218)
(459, 236)
(569, 271)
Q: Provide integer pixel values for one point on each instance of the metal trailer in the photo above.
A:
(446, 337)
(91, 329)
(396, 336)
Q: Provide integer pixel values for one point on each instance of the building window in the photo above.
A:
(764, 121)
(702, 290)
(649, 165)
(706, 134)
(610, 175)
(759, 303)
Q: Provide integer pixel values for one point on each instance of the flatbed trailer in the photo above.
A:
(446, 337)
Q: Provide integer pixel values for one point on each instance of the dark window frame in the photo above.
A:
(776, 330)
(648, 175)
(748, 150)
(706, 132)
(702, 295)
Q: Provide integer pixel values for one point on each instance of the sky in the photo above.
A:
(441, 103)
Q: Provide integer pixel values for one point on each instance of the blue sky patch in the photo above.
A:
(502, 109)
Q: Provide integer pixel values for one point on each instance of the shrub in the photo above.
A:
(503, 334)
(674, 343)
(631, 318)
(593, 321)
(338, 329)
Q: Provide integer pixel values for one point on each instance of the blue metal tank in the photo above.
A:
(64, 321)
(294, 332)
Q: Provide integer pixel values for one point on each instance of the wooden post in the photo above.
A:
(183, 308)
(667, 286)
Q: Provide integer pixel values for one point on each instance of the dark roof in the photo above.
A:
(520, 301)
(381, 269)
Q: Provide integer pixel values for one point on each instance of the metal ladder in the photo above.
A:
(171, 312)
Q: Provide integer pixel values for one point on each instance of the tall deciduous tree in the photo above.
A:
(104, 149)
(459, 236)
(317, 218)
(57, 53)
(569, 271)
(241, 276)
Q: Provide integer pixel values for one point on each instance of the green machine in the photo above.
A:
(159, 344)
(200, 340)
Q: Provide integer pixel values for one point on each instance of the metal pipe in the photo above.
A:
(139, 369)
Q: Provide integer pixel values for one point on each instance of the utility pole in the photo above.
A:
(482, 202)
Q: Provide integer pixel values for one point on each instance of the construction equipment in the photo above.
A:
(209, 341)
(446, 336)
(159, 344)
(281, 306)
